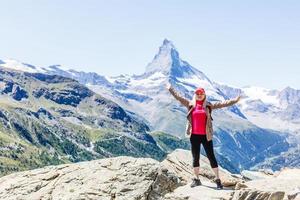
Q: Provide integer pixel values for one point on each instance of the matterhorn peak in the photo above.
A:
(167, 44)
(164, 59)
(168, 62)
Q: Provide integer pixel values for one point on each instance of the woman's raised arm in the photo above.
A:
(226, 103)
(177, 96)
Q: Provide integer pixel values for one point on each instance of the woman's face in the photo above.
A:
(200, 96)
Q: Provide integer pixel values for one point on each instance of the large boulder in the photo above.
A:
(283, 185)
(120, 178)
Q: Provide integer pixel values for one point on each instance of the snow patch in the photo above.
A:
(19, 66)
(263, 94)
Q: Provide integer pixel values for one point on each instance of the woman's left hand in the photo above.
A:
(238, 98)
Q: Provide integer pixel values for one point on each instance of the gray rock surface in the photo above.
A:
(128, 178)
(112, 178)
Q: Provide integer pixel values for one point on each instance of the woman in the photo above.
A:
(200, 130)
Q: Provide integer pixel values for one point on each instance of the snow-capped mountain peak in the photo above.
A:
(164, 59)
(168, 62)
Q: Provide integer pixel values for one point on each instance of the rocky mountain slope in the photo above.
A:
(144, 178)
(50, 119)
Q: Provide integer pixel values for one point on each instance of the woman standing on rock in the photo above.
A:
(200, 130)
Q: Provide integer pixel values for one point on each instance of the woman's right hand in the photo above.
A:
(168, 85)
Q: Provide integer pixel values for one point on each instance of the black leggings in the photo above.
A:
(196, 141)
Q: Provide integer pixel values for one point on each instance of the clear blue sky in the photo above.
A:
(240, 43)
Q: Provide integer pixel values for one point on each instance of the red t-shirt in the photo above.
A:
(199, 119)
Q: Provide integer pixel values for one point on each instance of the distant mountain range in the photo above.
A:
(263, 130)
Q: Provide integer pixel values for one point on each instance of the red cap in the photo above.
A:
(200, 91)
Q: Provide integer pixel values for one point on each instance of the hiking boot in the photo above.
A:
(196, 182)
(219, 184)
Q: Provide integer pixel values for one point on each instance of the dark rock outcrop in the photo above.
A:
(19, 94)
